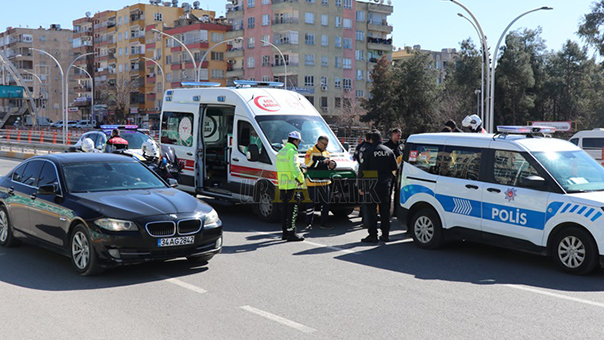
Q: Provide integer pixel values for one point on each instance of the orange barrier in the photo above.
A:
(68, 139)
(54, 138)
(18, 135)
(42, 136)
(29, 137)
(7, 134)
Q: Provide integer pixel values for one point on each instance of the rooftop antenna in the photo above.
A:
(88, 14)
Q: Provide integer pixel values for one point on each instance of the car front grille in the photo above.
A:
(161, 229)
(189, 227)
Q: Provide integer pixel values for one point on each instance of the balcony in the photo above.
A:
(81, 101)
(279, 68)
(379, 27)
(282, 4)
(234, 53)
(234, 34)
(233, 72)
(381, 8)
(234, 12)
(379, 44)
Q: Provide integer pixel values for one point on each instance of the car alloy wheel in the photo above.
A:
(3, 227)
(575, 250)
(424, 229)
(571, 251)
(80, 250)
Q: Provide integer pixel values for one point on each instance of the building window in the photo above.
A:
(348, 4)
(359, 55)
(251, 42)
(309, 18)
(42, 38)
(218, 56)
(347, 23)
(217, 37)
(309, 59)
(324, 61)
(217, 74)
(337, 83)
(360, 35)
(251, 62)
(119, 21)
(359, 93)
(119, 52)
(347, 83)
(348, 43)
(158, 17)
(266, 38)
(338, 102)
(266, 20)
(360, 74)
(324, 81)
(309, 80)
(251, 22)
(325, 20)
(324, 2)
(266, 2)
(347, 63)
(360, 15)
(324, 40)
(309, 39)
(119, 36)
(251, 3)
(338, 21)
(338, 42)
(266, 60)
(310, 1)
(338, 3)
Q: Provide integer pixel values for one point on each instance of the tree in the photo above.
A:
(380, 107)
(348, 117)
(118, 95)
(590, 29)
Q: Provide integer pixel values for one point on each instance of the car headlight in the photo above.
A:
(115, 225)
(212, 217)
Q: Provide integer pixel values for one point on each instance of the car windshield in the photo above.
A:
(575, 171)
(135, 139)
(109, 176)
(277, 127)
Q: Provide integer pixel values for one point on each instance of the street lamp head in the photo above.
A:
(238, 40)
(547, 7)
(460, 15)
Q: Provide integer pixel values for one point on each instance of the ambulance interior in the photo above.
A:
(217, 129)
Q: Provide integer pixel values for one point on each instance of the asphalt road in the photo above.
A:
(330, 286)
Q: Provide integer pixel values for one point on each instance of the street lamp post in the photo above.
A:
(185, 47)
(91, 90)
(484, 43)
(208, 52)
(63, 102)
(163, 75)
(66, 94)
(478, 92)
(492, 89)
(483, 61)
(282, 58)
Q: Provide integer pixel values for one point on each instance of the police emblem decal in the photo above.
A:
(510, 194)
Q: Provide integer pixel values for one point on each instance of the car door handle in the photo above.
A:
(33, 196)
(11, 191)
(493, 190)
(236, 159)
(472, 186)
(189, 154)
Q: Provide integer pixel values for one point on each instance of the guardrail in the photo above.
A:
(32, 148)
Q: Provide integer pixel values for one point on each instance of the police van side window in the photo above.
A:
(461, 162)
(177, 128)
(510, 166)
(424, 157)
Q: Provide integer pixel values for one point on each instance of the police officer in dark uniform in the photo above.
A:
(358, 154)
(394, 144)
(377, 160)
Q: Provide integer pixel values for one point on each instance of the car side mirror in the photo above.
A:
(253, 153)
(346, 146)
(50, 189)
(533, 182)
(172, 182)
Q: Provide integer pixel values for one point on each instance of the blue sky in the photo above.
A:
(433, 24)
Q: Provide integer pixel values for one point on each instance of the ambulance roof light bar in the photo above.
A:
(250, 83)
(125, 127)
(199, 84)
(527, 130)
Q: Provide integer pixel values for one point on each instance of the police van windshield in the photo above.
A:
(276, 129)
(575, 171)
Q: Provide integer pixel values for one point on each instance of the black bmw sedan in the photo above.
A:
(104, 210)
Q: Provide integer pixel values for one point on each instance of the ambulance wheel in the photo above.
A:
(426, 229)
(267, 209)
(575, 251)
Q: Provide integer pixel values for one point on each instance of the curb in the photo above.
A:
(17, 155)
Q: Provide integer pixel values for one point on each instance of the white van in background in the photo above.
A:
(592, 142)
(227, 139)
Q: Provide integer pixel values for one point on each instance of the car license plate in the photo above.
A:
(175, 241)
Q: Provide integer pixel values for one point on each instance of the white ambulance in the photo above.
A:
(541, 195)
(227, 139)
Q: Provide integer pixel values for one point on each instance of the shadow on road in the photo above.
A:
(35, 268)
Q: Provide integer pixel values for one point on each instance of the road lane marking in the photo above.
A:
(183, 284)
(332, 247)
(559, 296)
(276, 318)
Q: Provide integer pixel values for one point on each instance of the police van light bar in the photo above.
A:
(126, 127)
(257, 83)
(525, 129)
(196, 83)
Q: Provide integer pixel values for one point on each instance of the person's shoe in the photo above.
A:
(384, 238)
(326, 226)
(294, 237)
(370, 239)
(284, 236)
(308, 227)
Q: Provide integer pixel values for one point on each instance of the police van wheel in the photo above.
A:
(426, 229)
(575, 251)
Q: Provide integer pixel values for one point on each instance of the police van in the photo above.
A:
(512, 189)
(227, 139)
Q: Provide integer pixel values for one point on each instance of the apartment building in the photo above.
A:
(441, 58)
(39, 71)
(119, 39)
(323, 49)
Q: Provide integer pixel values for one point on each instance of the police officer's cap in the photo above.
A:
(295, 135)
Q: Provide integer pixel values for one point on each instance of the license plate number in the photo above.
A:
(175, 241)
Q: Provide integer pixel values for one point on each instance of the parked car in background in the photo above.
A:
(70, 124)
(85, 124)
(104, 210)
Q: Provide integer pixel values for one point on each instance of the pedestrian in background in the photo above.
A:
(318, 181)
(378, 160)
(290, 178)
